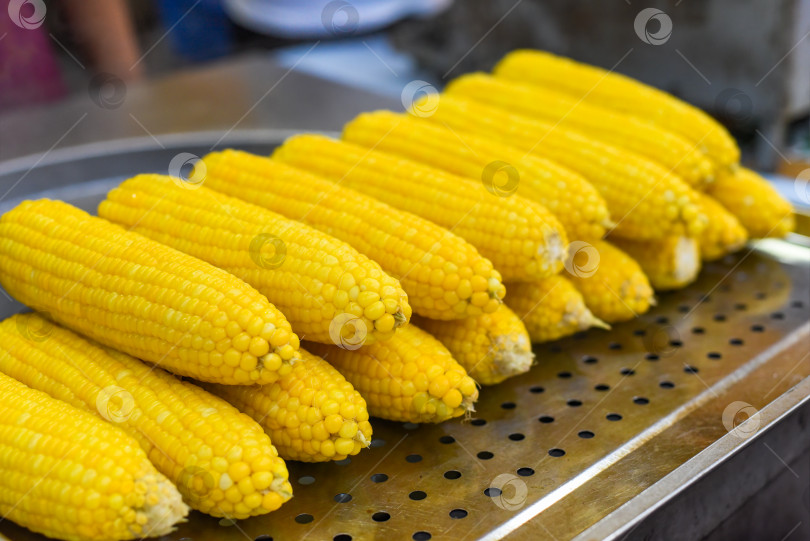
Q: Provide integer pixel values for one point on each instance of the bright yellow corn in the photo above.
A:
(142, 297)
(724, 234)
(312, 414)
(305, 273)
(533, 242)
(69, 475)
(669, 263)
(551, 308)
(644, 199)
(756, 204)
(567, 112)
(611, 282)
(490, 347)
(621, 93)
(221, 460)
(411, 377)
(501, 169)
(444, 276)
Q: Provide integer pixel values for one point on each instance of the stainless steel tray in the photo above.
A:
(600, 435)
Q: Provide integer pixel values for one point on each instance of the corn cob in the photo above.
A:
(490, 347)
(576, 204)
(141, 297)
(669, 263)
(756, 204)
(411, 377)
(614, 286)
(220, 459)
(724, 234)
(551, 308)
(313, 414)
(623, 94)
(657, 144)
(534, 241)
(69, 475)
(306, 273)
(444, 276)
(645, 199)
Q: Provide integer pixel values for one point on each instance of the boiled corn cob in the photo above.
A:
(614, 286)
(312, 414)
(534, 240)
(643, 198)
(501, 169)
(490, 347)
(621, 93)
(411, 377)
(669, 149)
(723, 235)
(141, 297)
(669, 263)
(756, 204)
(69, 475)
(551, 308)
(220, 459)
(308, 275)
(444, 276)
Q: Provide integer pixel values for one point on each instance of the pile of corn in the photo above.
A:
(521, 206)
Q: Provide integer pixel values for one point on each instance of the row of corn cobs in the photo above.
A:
(495, 186)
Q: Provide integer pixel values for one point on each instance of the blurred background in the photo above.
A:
(149, 67)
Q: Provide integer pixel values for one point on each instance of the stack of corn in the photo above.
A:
(527, 205)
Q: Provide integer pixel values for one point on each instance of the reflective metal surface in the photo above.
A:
(574, 445)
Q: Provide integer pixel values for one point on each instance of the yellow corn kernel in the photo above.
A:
(490, 347)
(531, 243)
(669, 263)
(132, 293)
(313, 394)
(67, 474)
(501, 169)
(190, 435)
(614, 286)
(550, 308)
(406, 246)
(724, 234)
(623, 94)
(411, 377)
(296, 266)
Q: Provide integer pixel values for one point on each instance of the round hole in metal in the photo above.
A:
(343, 497)
(379, 478)
(714, 355)
(536, 389)
(262, 537)
(662, 320)
(675, 343)
(508, 405)
(413, 459)
(380, 516)
(478, 422)
(452, 474)
(345, 462)
(545, 419)
(719, 317)
(447, 439)
(683, 308)
(614, 345)
(666, 385)
(517, 436)
(342, 537)
(556, 452)
(639, 332)
(574, 403)
(757, 328)
(797, 304)
(492, 492)
(410, 426)
(564, 375)
(306, 480)
(690, 369)
(652, 357)
(590, 360)
(585, 434)
(417, 495)
(376, 442)
(641, 401)
(613, 417)
(458, 513)
(525, 472)
(736, 341)
(421, 536)
(304, 518)
(485, 455)
(741, 306)
(627, 371)
(698, 330)
(602, 387)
